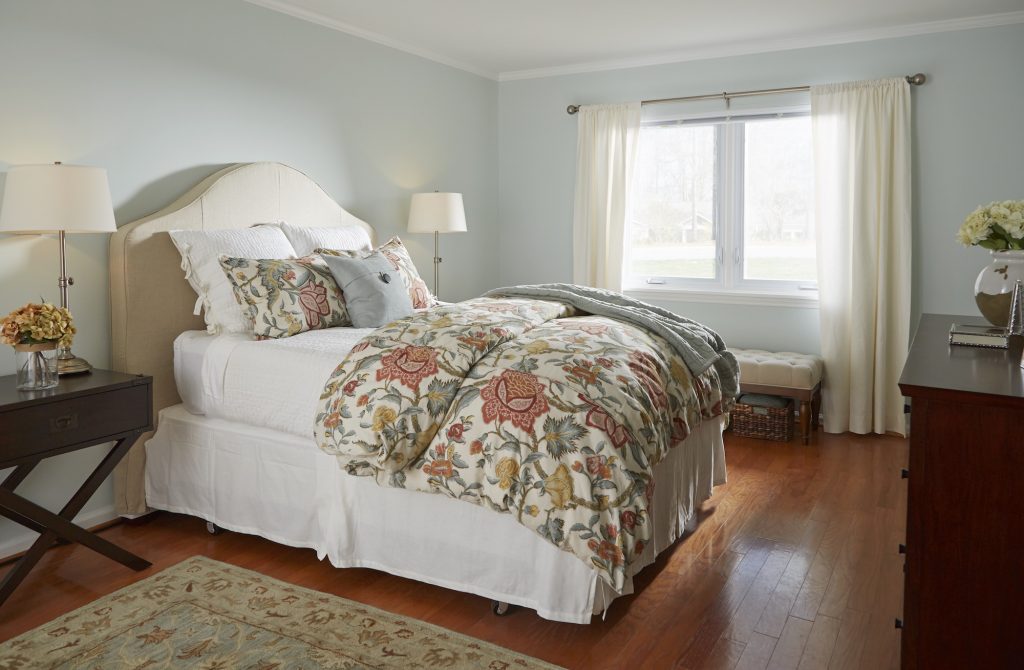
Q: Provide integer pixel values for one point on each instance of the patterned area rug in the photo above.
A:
(205, 614)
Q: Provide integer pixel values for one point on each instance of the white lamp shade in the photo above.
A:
(50, 198)
(437, 212)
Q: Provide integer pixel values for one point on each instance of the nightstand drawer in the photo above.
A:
(40, 428)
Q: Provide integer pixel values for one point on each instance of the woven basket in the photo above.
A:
(766, 423)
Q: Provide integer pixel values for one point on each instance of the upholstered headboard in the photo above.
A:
(150, 301)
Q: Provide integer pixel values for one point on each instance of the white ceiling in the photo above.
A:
(510, 39)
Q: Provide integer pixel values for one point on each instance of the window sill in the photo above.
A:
(805, 299)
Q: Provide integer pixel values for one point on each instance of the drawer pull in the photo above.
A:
(904, 473)
(62, 423)
(899, 623)
(903, 549)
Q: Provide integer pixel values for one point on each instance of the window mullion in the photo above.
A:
(737, 186)
(722, 217)
(731, 191)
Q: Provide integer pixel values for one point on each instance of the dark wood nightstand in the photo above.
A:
(83, 411)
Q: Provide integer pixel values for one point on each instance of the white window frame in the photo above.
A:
(728, 286)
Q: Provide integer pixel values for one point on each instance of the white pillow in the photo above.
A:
(200, 252)
(307, 240)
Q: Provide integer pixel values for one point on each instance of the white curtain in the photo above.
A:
(605, 155)
(861, 136)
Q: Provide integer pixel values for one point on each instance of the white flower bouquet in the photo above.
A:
(997, 226)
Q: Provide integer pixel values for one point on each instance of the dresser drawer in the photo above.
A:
(40, 428)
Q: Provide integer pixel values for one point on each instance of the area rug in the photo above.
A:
(205, 614)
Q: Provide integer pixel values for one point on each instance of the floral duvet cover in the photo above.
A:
(525, 407)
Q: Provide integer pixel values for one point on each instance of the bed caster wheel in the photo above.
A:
(499, 608)
(213, 529)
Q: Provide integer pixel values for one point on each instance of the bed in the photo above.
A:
(234, 441)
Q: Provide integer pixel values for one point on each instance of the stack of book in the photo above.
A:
(992, 337)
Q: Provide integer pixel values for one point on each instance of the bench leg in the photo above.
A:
(815, 410)
(805, 421)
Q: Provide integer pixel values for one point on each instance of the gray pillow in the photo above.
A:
(374, 293)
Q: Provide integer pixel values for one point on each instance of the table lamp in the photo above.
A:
(437, 213)
(61, 199)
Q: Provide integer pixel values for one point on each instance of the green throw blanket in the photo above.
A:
(699, 346)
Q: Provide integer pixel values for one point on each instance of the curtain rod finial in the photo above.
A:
(572, 109)
(917, 79)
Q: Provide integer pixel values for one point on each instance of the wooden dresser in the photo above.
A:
(964, 589)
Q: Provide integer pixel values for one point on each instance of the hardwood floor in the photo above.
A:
(794, 565)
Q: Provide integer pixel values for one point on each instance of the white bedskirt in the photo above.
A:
(283, 488)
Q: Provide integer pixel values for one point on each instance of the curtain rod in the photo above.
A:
(915, 79)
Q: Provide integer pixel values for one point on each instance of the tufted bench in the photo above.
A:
(785, 374)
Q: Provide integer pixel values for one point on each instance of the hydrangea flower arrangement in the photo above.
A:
(997, 226)
(38, 323)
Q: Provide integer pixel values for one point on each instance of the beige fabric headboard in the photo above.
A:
(150, 301)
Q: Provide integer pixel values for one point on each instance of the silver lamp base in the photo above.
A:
(69, 364)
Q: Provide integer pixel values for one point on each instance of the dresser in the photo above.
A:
(964, 588)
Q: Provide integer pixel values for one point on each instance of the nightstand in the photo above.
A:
(83, 411)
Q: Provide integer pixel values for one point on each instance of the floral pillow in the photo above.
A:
(400, 259)
(286, 297)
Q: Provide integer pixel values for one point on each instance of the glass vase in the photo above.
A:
(37, 366)
(994, 288)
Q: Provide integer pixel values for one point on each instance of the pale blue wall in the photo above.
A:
(164, 92)
(968, 150)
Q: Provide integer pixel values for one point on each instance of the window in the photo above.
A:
(724, 205)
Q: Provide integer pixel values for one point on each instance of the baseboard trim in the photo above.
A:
(94, 520)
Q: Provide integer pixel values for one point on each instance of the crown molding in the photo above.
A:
(326, 21)
(766, 46)
(701, 53)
